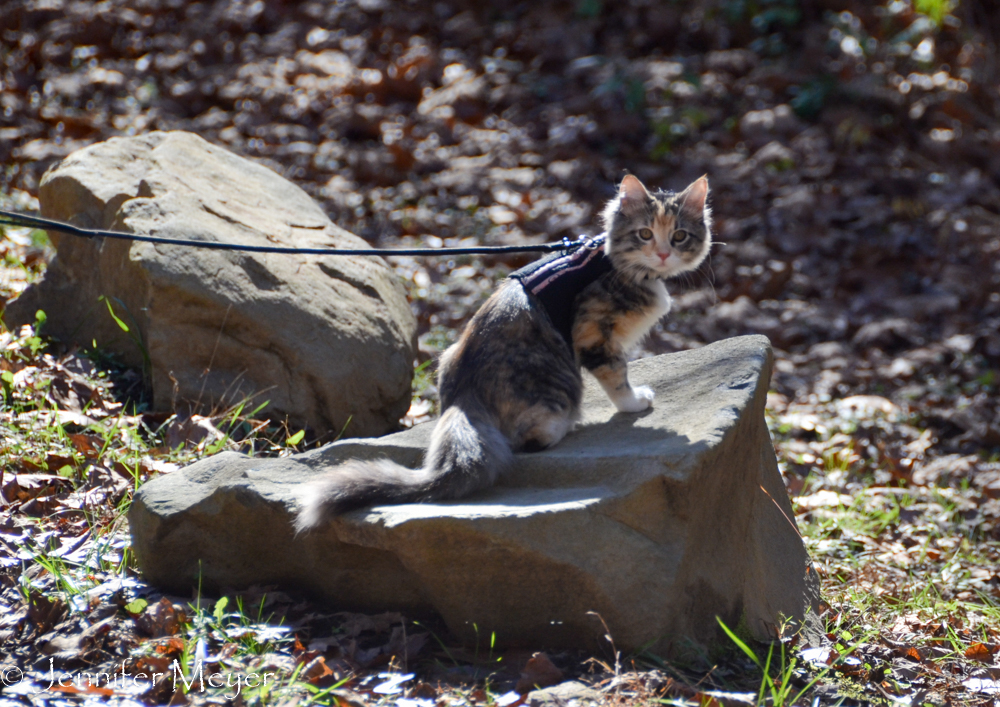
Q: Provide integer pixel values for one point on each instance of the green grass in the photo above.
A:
(781, 669)
(903, 566)
(937, 10)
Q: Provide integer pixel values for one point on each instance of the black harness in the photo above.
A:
(557, 280)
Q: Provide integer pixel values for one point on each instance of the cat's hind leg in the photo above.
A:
(540, 427)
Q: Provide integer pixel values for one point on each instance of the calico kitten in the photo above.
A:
(512, 382)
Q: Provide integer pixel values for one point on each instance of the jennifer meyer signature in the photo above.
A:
(196, 679)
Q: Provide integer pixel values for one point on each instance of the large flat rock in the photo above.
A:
(324, 339)
(658, 522)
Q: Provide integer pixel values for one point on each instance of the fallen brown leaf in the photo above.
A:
(149, 664)
(84, 689)
(24, 487)
(161, 619)
(89, 445)
(316, 669)
(43, 611)
(538, 672)
(979, 651)
(191, 431)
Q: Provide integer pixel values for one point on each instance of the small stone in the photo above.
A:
(563, 695)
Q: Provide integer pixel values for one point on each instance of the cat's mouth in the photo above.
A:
(646, 267)
(666, 268)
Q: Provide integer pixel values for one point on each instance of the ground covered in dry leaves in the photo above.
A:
(853, 151)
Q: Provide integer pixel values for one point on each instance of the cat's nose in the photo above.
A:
(663, 257)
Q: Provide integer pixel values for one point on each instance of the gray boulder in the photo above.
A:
(657, 522)
(324, 339)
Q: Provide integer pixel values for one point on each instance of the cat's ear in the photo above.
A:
(632, 193)
(693, 198)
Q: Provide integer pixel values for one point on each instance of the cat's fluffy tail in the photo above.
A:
(467, 453)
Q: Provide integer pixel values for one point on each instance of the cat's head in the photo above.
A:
(658, 234)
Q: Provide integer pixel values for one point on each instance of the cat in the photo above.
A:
(512, 382)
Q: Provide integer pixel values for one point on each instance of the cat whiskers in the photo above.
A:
(709, 275)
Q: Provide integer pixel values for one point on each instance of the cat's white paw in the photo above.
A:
(641, 399)
(645, 394)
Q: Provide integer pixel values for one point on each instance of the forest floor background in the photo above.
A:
(853, 151)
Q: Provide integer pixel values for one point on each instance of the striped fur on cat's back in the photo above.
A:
(512, 382)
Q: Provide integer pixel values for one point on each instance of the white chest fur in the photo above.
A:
(641, 325)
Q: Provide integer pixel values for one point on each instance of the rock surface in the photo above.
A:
(658, 522)
(564, 694)
(324, 339)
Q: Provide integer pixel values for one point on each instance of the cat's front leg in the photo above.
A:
(611, 371)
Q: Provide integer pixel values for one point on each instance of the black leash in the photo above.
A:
(11, 218)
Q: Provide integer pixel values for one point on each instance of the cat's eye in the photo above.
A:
(679, 237)
(645, 234)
